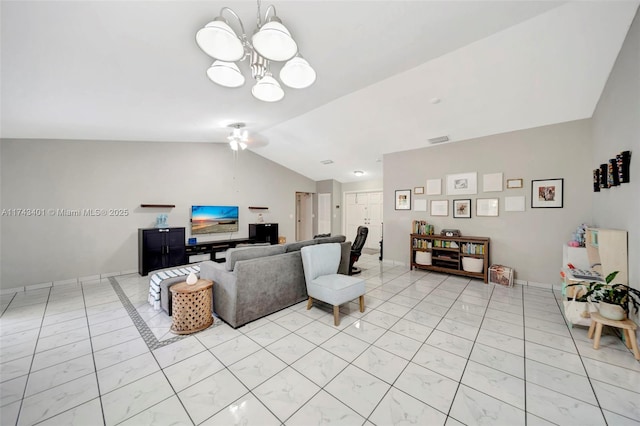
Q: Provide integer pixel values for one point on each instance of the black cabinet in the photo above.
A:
(264, 232)
(160, 248)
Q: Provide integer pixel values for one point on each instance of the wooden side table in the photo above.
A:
(191, 306)
(628, 328)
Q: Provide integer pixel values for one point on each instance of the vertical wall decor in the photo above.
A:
(613, 173)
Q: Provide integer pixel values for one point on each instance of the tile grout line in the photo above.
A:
(524, 355)
(586, 372)
(93, 355)
(484, 315)
(33, 357)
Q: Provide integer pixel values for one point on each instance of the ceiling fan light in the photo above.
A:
(267, 89)
(225, 74)
(243, 145)
(297, 73)
(218, 40)
(233, 144)
(274, 42)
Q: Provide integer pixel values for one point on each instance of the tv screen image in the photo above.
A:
(214, 219)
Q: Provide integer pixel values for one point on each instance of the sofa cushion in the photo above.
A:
(245, 253)
(334, 239)
(297, 246)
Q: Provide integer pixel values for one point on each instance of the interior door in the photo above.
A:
(364, 209)
(374, 220)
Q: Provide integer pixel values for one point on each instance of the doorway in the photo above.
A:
(304, 216)
(364, 209)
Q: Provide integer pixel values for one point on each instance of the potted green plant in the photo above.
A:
(614, 300)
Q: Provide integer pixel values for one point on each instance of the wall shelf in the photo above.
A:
(170, 206)
(258, 208)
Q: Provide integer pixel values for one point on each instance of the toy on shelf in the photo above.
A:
(579, 236)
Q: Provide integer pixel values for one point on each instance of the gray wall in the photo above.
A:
(616, 127)
(529, 241)
(122, 175)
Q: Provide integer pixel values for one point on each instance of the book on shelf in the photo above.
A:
(421, 227)
(472, 248)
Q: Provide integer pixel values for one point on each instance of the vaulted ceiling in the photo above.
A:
(391, 74)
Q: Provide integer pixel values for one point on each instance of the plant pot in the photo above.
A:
(612, 312)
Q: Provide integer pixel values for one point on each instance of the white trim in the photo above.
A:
(11, 290)
(67, 281)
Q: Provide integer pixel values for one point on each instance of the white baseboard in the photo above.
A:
(89, 278)
(64, 282)
(39, 286)
(11, 290)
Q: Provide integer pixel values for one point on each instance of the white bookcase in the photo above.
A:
(607, 252)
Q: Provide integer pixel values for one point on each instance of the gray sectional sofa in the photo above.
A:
(257, 281)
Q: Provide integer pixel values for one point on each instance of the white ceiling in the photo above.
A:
(125, 70)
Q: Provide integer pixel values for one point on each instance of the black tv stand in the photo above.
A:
(213, 247)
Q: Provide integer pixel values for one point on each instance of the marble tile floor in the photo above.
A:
(430, 349)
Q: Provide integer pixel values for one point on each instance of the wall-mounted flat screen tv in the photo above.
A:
(214, 219)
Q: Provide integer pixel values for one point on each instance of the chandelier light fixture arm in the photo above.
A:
(235, 15)
(271, 42)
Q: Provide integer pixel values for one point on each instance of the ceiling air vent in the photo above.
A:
(325, 162)
(439, 139)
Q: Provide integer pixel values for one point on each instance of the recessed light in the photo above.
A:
(434, 100)
(358, 173)
(325, 162)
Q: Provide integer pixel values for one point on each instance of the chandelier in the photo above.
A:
(271, 42)
(238, 138)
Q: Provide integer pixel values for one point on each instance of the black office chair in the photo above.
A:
(356, 249)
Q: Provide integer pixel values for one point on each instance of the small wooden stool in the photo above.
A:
(628, 328)
(191, 306)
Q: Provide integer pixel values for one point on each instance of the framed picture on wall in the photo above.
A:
(434, 186)
(487, 207)
(492, 182)
(403, 199)
(462, 184)
(547, 193)
(439, 208)
(418, 190)
(514, 183)
(462, 209)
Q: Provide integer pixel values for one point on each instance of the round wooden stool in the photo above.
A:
(191, 306)
(628, 328)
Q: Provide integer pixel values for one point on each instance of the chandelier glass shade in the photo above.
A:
(267, 89)
(274, 42)
(226, 74)
(271, 42)
(297, 73)
(218, 40)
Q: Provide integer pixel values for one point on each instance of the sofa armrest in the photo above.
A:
(208, 269)
(225, 291)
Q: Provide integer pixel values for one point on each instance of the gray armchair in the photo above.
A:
(320, 263)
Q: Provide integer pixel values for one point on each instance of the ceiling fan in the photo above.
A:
(241, 139)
